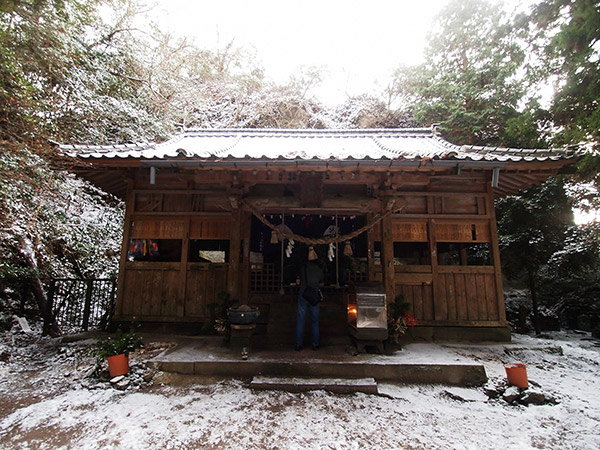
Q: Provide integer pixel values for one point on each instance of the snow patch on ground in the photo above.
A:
(43, 408)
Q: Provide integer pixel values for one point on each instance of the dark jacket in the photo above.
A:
(310, 275)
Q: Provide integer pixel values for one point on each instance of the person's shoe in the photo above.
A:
(315, 347)
(298, 348)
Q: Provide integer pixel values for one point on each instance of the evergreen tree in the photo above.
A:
(469, 80)
(531, 230)
(566, 34)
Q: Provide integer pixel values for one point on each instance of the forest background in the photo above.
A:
(69, 75)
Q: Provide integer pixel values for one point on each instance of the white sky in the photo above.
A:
(359, 42)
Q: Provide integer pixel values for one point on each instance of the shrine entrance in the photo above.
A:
(276, 261)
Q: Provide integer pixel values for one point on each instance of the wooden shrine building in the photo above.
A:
(209, 210)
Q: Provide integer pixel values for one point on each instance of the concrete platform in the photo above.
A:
(415, 363)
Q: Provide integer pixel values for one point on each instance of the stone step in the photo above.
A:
(279, 340)
(335, 385)
(230, 365)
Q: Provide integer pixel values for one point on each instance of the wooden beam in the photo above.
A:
(387, 258)
(370, 250)
(440, 307)
(539, 166)
(182, 291)
(246, 232)
(495, 250)
(124, 248)
(182, 191)
(329, 202)
(233, 281)
(513, 182)
(461, 323)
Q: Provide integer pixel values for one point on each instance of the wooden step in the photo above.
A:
(335, 385)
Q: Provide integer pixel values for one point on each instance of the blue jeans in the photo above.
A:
(303, 307)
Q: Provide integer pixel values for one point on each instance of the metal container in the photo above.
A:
(367, 311)
(243, 315)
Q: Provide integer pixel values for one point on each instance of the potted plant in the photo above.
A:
(218, 313)
(399, 319)
(115, 349)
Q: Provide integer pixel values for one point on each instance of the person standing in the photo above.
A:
(311, 275)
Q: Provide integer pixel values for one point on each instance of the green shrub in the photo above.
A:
(118, 344)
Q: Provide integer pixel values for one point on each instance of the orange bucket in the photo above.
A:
(118, 365)
(517, 375)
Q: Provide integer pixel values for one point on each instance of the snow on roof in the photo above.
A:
(311, 144)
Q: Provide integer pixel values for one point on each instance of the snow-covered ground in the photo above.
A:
(47, 402)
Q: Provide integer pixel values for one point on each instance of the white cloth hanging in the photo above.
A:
(290, 248)
(331, 252)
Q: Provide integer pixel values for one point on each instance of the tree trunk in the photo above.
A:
(534, 302)
(50, 326)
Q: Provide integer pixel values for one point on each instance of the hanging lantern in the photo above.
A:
(312, 255)
(274, 239)
(347, 249)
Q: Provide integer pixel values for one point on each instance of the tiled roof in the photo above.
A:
(326, 145)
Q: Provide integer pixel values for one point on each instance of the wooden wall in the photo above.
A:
(450, 295)
(176, 290)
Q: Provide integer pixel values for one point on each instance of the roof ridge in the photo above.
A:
(420, 130)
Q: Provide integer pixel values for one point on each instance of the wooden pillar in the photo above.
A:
(246, 231)
(233, 277)
(495, 254)
(387, 257)
(370, 251)
(440, 305)
(129, 205)
(183, 268)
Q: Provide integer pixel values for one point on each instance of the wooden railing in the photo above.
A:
(81, 304)
(265, 277)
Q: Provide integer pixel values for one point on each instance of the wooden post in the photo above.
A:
(233, 277)
(183, 268)
(495, 253)
(129, 206)
(370, 251)
(89, 286)
(387, 257)
(440, 306)
(51, 292)
(246, 225)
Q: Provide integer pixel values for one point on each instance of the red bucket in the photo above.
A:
(517, 375)
(118, 365)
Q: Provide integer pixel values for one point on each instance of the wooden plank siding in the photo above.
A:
(172, 228)
(450, 295)
(420, 296)
(204, 282)
(151, 290)
(457, 295)
(465, 294)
